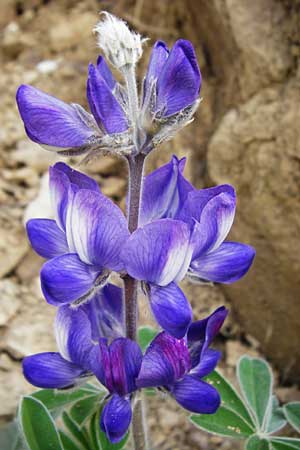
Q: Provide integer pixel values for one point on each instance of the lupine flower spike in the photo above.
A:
(176, 231)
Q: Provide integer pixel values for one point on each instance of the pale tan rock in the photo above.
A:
(29, 267)
(12, 42)
(24, 174)
(71, 31)
(13, 242)
(33, 155)
(31, 331)
(107, 165)
(256, 28)
(7, 12)
(13, 385)
(6, 363)
(235, 349)
(288, 394)
(256, 148)
(10, 300)
(170, 420)
(47, 66)
(113, 187)
(198, 439)
(206, 298)
(40, 206)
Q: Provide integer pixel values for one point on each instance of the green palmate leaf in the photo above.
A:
(94, 431)
(257, 443)
(74, 431)
(10, 438)
(145, 336)
(282, 443)
(224, 422)
(275, 417)
(84, 408)
(256, 382)
(230, 398)
(54, 399)
(67, 442)
(38, 426)
(292, 414)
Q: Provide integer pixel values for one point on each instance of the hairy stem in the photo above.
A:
(131, 307)
(139, 427)
(136, 166)
(133, 101)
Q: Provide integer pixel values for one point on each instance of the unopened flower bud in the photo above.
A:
(121, 46)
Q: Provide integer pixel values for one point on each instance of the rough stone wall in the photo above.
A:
(254, 144)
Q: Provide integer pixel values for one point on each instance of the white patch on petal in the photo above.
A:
(78, 227)
(185, 265)
(41, 206)
(69, 222)
(179, 259)
(225, 218)
(61, 330)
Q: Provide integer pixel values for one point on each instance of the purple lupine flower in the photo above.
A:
(83, 244)
(174, 77)
(117, 366)
(209, 213)
(170, 92)
(187, 240)
(160, 254)
(164, 192)
(69, 128)
(75, 332)
(178, 365)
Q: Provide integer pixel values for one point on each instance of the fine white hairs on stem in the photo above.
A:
(121, 46)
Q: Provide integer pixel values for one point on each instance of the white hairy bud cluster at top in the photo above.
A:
(121, 46)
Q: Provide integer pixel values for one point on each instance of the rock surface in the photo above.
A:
(254, 145)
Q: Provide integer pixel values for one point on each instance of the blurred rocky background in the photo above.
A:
(246, 132)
